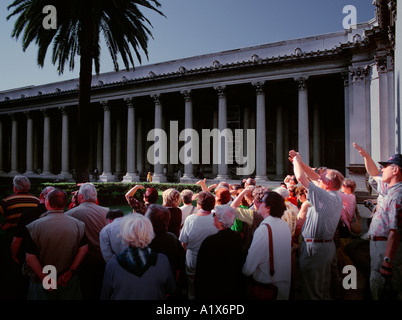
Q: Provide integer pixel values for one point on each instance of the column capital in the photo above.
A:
(187, 95)
(28, 114)
(44, 112)
(221, 91)
(381, 62)
(105, 105)
(259, 86)
(359, 73)
(157, 98)
(129, 102)
(63, 110)
(301, 82)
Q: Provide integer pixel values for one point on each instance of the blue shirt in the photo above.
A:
(323, 216)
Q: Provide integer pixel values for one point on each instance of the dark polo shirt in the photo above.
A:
(55, 239)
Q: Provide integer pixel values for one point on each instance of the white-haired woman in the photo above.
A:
(138, 273)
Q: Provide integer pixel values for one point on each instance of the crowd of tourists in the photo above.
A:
(229, 241)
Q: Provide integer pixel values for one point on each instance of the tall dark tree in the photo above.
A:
(80, 24)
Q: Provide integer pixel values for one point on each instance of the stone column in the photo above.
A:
(280, 151)
(347, 97)
(107, 175)
(359, 124)
(65, 146)
(99, 147)
(46, 143)
(246, 137)
(392, 117)
(398, 79)
(1, 148)
(379, 110)
(316, 137)
(188, 124)
(140, 161)
(14, 155)
(222, 125)
(131, 174)
(303, 123)
(29, 159)
(261, 143)
(158, 175)
(118, 150)
(215, 147)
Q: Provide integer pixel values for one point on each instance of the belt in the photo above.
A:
(318, 240)
(374, 238)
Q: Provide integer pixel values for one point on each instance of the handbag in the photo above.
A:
(265, 291)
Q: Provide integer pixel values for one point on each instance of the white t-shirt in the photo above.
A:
(195, 229)
(257, 261)
(186, 211)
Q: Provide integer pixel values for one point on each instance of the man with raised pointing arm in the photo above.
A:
(386, 225)
(318, 249)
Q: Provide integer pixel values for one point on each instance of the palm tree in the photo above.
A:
(80, 24)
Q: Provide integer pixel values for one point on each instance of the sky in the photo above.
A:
(190, 28)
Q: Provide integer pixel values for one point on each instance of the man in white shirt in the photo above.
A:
(187, 208)
(257, 263)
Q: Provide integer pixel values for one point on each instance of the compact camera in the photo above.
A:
(369, 204)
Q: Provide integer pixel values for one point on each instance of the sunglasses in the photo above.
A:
(386, 166)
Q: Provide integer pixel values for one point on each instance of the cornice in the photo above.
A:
(298, 56)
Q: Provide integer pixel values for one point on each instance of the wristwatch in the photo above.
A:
(387, 260)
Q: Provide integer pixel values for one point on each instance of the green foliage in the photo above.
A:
(112, 193)
(124, 28)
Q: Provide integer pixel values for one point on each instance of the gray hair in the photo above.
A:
(225, 214)
(88, 191)
(283, 192)
(136, 230)
(21, 183)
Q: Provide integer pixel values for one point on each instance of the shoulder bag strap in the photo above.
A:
(271, 252)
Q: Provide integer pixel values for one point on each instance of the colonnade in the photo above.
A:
(134, 162)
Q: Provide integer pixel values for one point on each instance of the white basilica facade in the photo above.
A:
(317, 95)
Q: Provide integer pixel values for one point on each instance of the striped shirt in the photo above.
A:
(323, 216)
(13, 206)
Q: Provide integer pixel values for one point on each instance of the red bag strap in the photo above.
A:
(271, 252)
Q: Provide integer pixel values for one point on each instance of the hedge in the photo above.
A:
(112, 193)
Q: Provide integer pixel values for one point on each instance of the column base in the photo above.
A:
(14, 173)
(159, 178)
(65, 176)
(131, 177)
(107, 177)
(187, 176)
(46, 173)
(187, 180)
(261, 180)
(222, 177)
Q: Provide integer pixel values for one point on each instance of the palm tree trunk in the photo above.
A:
(84, 102)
